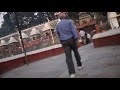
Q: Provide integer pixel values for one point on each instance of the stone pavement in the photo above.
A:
(101, 62)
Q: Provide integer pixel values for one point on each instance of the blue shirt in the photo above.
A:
(66, 29)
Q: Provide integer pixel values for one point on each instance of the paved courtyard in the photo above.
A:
(101, 62)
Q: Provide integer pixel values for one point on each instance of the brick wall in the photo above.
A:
(107, 41)
(9, 65)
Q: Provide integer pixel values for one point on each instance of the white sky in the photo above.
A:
(1, 17)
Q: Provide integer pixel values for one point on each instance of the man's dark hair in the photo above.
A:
(64, 16)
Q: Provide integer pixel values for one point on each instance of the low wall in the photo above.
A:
(10, 63)
(111, 37)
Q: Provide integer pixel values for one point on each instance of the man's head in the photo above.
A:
(62, 15)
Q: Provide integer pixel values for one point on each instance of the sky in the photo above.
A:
(1, 17)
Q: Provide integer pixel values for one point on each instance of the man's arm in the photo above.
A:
(73, 29)
(57, 32)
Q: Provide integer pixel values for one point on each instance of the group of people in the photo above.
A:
(85, 37)
(29, 45)
(9, 50)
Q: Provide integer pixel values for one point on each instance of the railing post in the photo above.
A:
(21, 39)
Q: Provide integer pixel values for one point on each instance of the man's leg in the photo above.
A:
(76, 53)
(69, 60)
(78, 58)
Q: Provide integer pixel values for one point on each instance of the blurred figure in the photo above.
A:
(93, 33)
(68, 36)
(82, 35)
(88, 38)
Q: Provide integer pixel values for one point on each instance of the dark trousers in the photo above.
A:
(68, 46)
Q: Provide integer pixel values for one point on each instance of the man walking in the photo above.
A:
(69, 38)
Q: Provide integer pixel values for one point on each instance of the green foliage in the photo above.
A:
(26, 20)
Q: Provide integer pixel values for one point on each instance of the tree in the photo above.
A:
(8, 26)
(26, 20)
(73, 15)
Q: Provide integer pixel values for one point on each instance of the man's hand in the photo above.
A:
(77, 42)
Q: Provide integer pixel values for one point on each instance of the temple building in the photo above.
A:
(86, 22)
